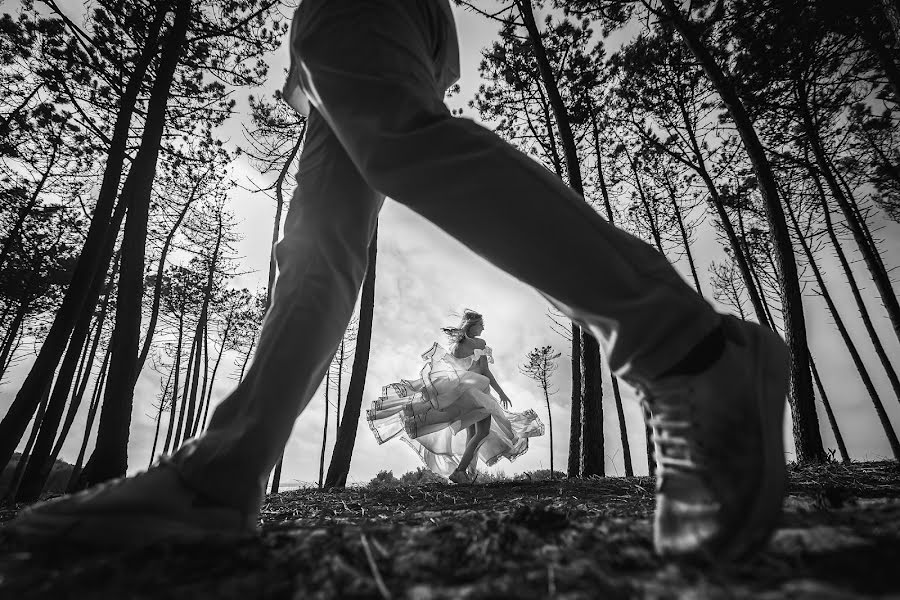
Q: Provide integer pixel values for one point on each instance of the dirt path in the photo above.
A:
(840, 538)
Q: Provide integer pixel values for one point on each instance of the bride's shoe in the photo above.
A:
(460, 478)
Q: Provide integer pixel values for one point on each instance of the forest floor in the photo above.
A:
(839, 538)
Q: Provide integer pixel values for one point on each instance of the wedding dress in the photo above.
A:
(448, 396)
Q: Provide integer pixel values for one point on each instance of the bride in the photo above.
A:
(452, 393)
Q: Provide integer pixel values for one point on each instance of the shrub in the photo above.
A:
(421, 476)
(384, 479)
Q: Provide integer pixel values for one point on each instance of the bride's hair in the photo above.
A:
(456, 334)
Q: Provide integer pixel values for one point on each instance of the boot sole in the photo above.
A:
(115, 532)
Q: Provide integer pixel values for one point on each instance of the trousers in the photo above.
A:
(372, 71)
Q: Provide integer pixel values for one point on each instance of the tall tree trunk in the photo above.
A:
(340, 374)
(159, 414)
(857, 293)
(592, 394)
(42, 459)
(876, 268)
(576, 418)
(16, 342)
(276, 233)
(807, 438)
(78, 396)
(617, 394)
(110, 457)
(891, 10)
(845, 335)
(176, 367)
(651, 447)
(682, 229)
(324, 434)
(160, 272)
(229, 323)
(94, 406)
(718, 204)
(592, 435)
(39, 466)
(13, 490)
(343, 445)
(201, 329)
(838, 438)
(98, 247)
(247, 359)
(182, 413)
(12, 333)
(549, 426)
(205, 382)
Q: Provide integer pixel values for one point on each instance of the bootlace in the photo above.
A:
(674, 430)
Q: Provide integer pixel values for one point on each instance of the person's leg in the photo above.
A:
(497, 201)
(214, 483)
(476, 434)
(716, 420)
(321, 264)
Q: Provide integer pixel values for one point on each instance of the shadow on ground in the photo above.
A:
(840, 538)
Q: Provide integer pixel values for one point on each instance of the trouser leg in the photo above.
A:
(322, 262)
(479, 189)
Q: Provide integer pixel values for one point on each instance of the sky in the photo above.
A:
(424, 278)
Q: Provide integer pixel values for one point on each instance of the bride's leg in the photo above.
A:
(476, 434)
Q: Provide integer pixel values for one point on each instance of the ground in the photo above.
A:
(839, 538)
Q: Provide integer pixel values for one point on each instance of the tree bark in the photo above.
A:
(337, 398)
(200, 334)
(682, 229)
(162, 404)
(324, 435)
(110, 457)
(41, 463)
(838, 438)
(592, 393)
(545, 386)
(808, 440)
(891, 10)
(176, 367)
(592, 447)
(73, 483)
(75, 403)
(212, 380)
(180, 428)
(343, 445)
(576, 418)
(13, 490)
(617, 395)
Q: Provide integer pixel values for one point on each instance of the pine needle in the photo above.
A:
(376, 574)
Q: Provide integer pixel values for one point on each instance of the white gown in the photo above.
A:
(428, 413)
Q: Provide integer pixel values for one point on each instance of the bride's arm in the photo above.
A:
(504, 399)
